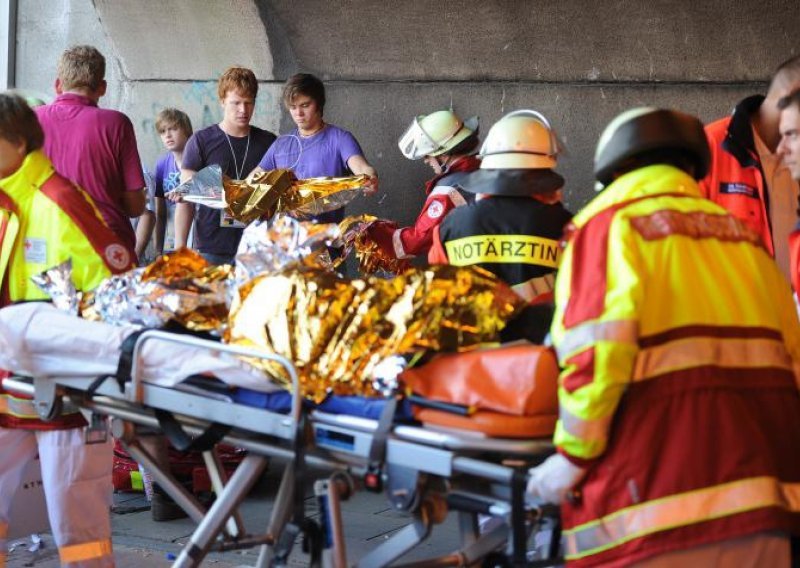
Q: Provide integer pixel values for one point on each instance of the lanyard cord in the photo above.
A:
(239, 171)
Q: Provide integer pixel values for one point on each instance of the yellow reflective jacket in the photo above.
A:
(678, 339)
(44, 220)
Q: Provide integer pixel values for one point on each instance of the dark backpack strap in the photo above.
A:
(124, 366)
(182, 441)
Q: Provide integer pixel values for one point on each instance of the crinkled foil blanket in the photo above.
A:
(337, 330)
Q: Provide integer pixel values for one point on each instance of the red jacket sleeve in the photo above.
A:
(794, 258)
(417, 239)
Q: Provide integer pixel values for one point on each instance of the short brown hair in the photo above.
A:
(173, 116)
(18, 122)
(81, 67)
(239, 79)
(792, 98)
(304, 84)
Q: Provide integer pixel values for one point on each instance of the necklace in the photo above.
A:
(310, 134)
(239, 171)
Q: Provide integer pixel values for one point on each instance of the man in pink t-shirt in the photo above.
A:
(94, 147)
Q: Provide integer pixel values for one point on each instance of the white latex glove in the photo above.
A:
(552, 480)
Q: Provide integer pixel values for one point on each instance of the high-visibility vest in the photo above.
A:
(44, 220)
(678, 339)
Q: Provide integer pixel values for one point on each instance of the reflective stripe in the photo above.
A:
(701, 351)
(587, 334)
(535, 287)
(589, 430)
(84, 551)
(18, 407)
(680, 510)
(456, 197)
(397, 244)
(509, 249)
(25, 408)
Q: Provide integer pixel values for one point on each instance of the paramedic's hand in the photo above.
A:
(551, 481)
(380, 232)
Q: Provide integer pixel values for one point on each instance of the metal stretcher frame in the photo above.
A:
(344, 444)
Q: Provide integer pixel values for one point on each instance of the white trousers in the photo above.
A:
(77, 485)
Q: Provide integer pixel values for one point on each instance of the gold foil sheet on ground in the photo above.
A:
(336, 331)
(372, 259)
(277, 191)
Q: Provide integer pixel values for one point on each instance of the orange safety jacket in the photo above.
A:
(735, 179)
(678, 340)
(44, 220)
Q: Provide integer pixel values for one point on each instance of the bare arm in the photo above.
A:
(144, 230)
(161, 223)
(184, 215)
(359, 165)
(134, 202)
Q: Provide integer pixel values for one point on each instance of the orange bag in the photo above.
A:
(520, 379)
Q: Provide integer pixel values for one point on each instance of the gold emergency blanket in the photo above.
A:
(371, 258)
(336, 331)
(180, 286)
(277, 191)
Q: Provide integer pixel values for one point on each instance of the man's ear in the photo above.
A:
(101, 89)
(59, 87)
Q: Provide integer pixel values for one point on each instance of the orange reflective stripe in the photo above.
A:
(535, 287)
(25, 408)
(84, 551)
(19, 407)
(590, 430)
(587, 334)
(720, 352)
(680, 510)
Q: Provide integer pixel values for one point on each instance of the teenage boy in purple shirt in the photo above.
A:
(174, 127)
(94, 147)
(316, 148)
(236, 147)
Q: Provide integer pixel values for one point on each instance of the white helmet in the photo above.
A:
(522, 139)
(435, 134)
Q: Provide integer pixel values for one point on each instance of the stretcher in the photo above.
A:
(425, 472)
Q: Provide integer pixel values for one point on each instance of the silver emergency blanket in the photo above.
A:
(38, 339)
(204, 188)
(267, 247)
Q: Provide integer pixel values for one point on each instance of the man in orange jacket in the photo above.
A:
(746, 176)
(789, 150)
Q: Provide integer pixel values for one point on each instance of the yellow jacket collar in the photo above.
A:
(35, 169)
(644, 182)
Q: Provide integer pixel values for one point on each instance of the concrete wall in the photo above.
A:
(580, 62)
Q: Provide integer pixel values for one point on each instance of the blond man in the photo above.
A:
(94, 147)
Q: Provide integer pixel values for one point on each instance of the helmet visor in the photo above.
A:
(415, 143)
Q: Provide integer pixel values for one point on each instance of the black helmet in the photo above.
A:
(642, 130)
